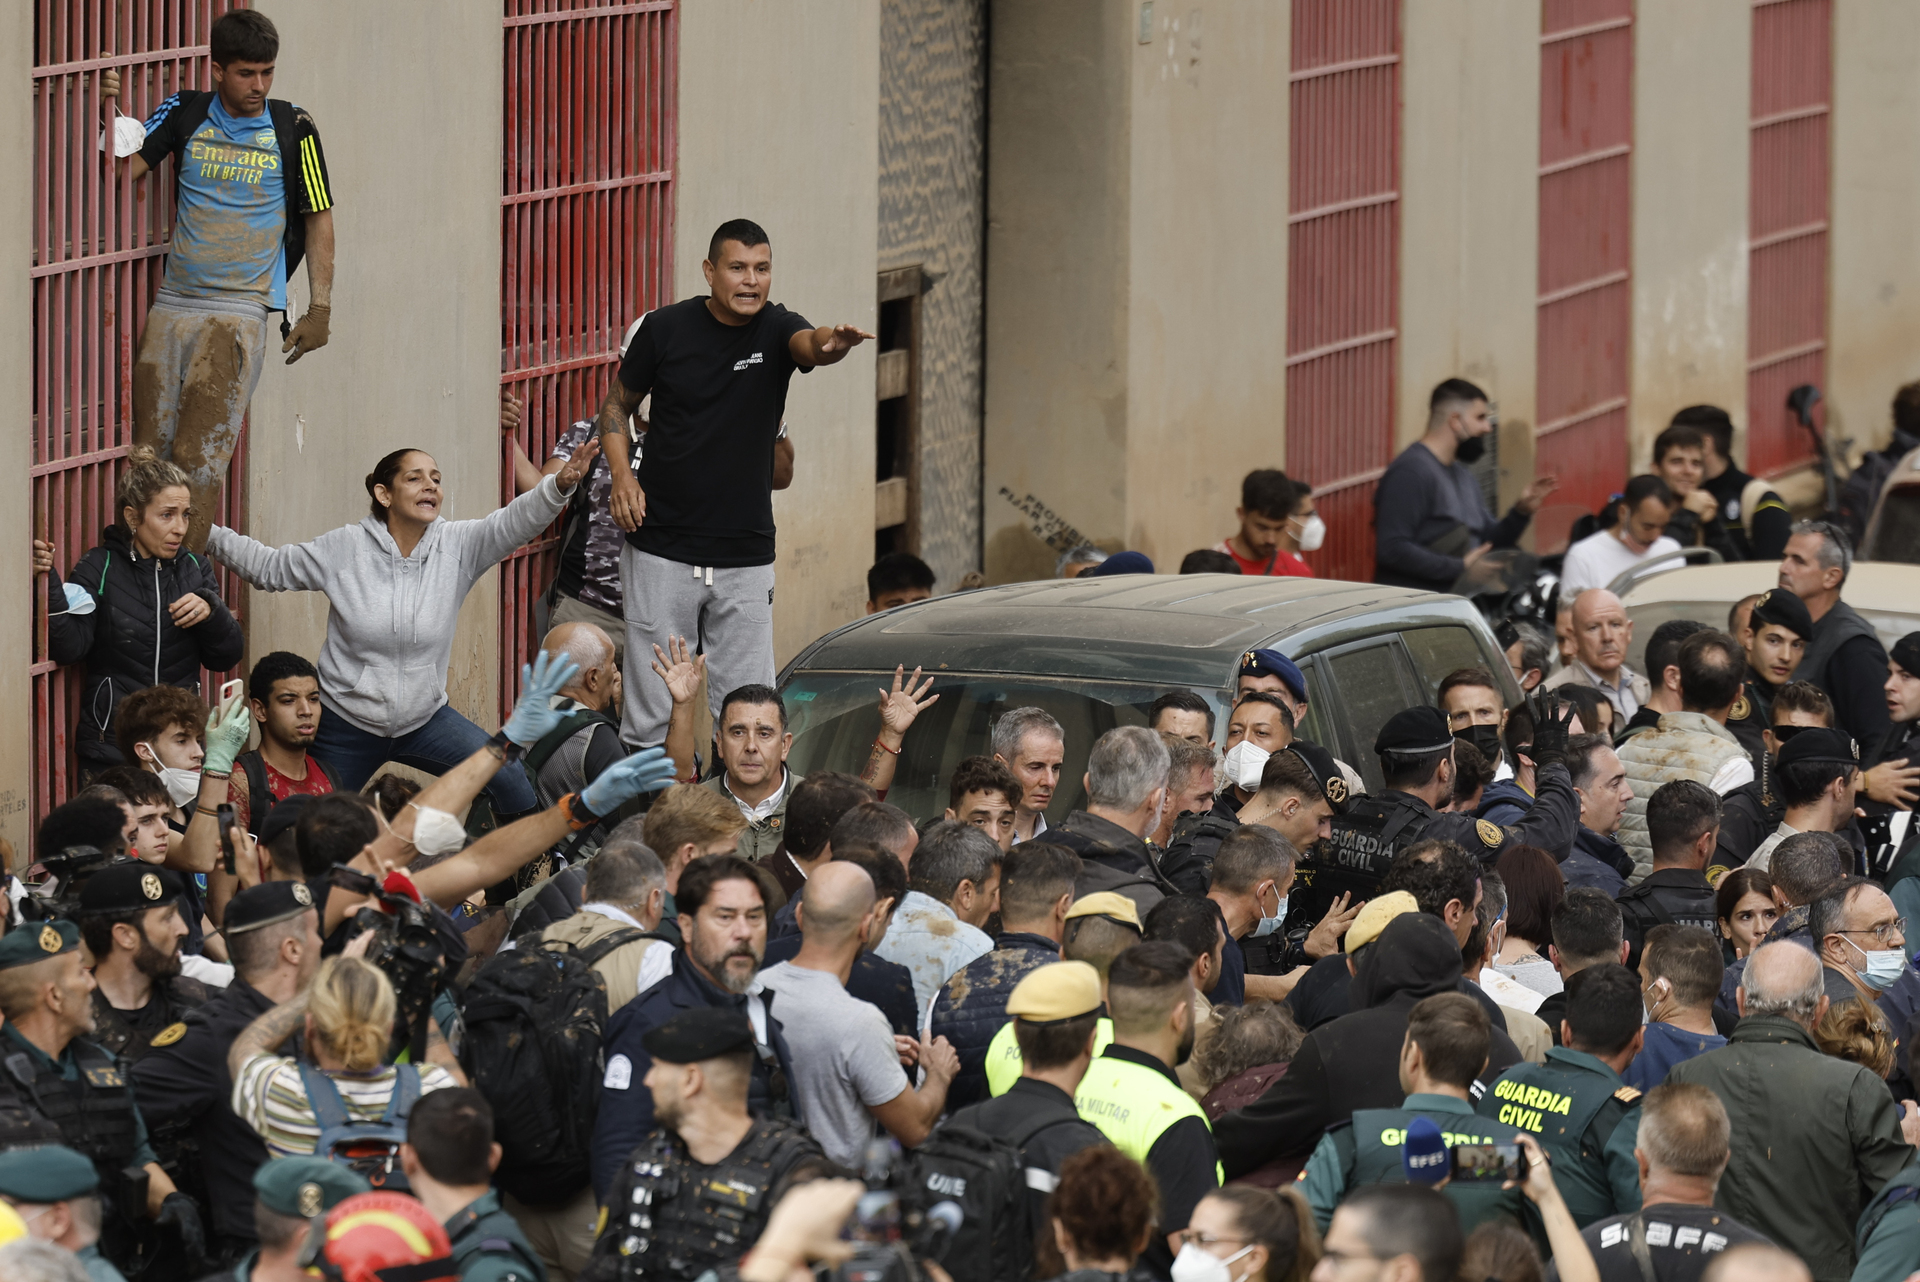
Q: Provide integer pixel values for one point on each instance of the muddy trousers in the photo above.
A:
(199, 362)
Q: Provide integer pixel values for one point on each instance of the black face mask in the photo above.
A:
(1485, 738)
(1470, 450)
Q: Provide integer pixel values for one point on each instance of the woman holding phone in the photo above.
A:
(395, 581)
(140, 610)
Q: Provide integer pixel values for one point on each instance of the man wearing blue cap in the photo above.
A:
(46, 995)
(54, 1189)
(1446, 1047)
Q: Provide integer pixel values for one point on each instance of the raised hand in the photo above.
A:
(683, 674)
(844, 338)
(1552, 722)
(1324, 939)
(647, 770)
(1534, 495)
(226, 737)
(534, 714)
(900, 705)
(576, 467)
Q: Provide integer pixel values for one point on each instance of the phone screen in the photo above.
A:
(1487, 1163)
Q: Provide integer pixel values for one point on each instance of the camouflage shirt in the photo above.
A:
(598, 574)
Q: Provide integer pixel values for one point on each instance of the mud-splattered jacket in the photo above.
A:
(129, 639)
(972, 1006)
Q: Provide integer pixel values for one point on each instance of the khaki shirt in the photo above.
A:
(619, 969)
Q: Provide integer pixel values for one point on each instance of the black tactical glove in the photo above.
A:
(1551, 718)
(178, 1212)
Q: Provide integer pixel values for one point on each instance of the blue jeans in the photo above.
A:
(436, 747)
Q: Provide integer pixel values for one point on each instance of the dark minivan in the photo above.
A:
(1095, 653)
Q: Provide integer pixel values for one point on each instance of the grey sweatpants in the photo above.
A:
(198, 364)
(725, 613)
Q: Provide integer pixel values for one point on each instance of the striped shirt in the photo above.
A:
(269, 1096)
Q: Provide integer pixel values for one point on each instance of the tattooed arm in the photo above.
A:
(267, 1032)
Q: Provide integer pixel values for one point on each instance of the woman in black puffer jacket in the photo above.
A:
(140, 610)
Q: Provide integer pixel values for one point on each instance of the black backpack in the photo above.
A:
(984, 1176)
(534, 1018)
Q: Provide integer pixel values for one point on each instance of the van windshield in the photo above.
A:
(835, 716)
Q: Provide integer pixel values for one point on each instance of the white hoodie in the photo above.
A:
(392, 618)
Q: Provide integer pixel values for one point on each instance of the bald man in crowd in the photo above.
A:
(1601, 634)
(587, 740)
(847, 1063)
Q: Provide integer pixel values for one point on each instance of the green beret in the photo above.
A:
(46, 1175)
(130, 887)
(35, 941)
(305, 1186)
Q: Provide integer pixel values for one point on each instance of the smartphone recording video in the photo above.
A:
(1487, 1163)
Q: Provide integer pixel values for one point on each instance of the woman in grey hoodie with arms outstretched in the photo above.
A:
(395, 582)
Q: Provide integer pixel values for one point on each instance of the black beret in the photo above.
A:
(129, 887)
(701, 1033)
(285, 814)
(1906, 653)
(1821, 745)
(1333, 782)
(1783, 609)
(265, 904)
(35, 941)
(1414, 731)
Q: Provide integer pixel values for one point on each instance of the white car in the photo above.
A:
(1886, 593)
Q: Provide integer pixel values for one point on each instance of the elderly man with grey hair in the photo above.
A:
(1814, 1137)
(1032, 745)
(1126, 784)
(587, 740)
(1844, 656)
(953, 886)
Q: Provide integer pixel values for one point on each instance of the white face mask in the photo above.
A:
(181, 785)
(1197, 1264)
(129, 135)
(1313, 532)
(1270, 924)
(435, 832)
(1245, 762)
(1884, 966)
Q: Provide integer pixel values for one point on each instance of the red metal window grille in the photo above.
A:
(1787, 224)
(1343, 267)
(586, 233)
(99, 248)
(1584, 313)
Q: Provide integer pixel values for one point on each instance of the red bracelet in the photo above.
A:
(878, 743)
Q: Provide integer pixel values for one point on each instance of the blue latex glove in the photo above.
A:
(647, 770)
(533, 716)
(227, 737)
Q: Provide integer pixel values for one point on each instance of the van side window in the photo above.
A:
(1438, 651)
(1369, 681)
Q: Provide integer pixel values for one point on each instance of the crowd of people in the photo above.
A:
(1609, 984)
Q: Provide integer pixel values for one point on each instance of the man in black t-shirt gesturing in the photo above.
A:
(698, 561)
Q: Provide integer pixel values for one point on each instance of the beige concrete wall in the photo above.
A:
(1873, 328)
(1692, 72)
(784, 129)
(414, 357)
(1469, 226)
(1207, 268)
(16, 409)
(1057, 262)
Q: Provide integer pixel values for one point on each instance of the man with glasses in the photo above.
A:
(1862, 940)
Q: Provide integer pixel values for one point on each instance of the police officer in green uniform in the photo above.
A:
(1056, 1010)
(1098, 928)
(182, 1084)
(1575, 1104)
(1448, 1037)
(46, 995)
(56, 1192)
(288, 1193)
(1416, 761)
(130, 918)
(449, 1158)
(697, 1191)
(1132, 1095)
(1887, 1239)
